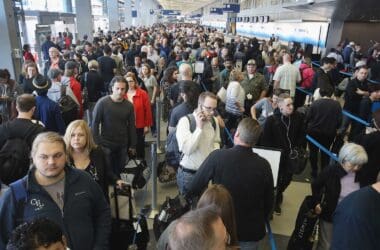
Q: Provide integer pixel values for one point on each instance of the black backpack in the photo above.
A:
(173, 155)
(14, 160)
(69, 108)
(170, 210)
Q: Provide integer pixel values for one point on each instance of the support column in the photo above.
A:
(68, 7)
(84, 20)
(10, 43)
(113, 15)
(138, 7)
(150, 17)
(128, 13)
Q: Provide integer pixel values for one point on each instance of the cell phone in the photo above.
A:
(204, 118)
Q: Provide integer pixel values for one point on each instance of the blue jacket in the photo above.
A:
(49, 113)
(86, 216)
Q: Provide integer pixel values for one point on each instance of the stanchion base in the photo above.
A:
(153, 213)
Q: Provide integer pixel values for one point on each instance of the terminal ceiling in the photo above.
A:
(185, 6)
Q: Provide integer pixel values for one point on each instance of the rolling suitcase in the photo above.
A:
(127, 230)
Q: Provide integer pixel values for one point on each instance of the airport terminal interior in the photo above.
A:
(170, 88)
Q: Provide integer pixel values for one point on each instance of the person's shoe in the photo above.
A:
(277, 209)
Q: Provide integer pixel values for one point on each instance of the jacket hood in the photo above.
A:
(304, 66)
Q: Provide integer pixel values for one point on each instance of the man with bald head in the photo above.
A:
(199, 229)
(287, 75)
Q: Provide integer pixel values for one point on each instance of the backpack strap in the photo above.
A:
(193, 123)
(63, 90)
(19, 190)
(85, 80)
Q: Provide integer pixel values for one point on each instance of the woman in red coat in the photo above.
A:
(71, 71)
(143, 113)
(26, 53)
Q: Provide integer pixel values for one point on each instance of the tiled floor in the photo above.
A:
(282, 226)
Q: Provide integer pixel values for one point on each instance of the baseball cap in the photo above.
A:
(251, 62)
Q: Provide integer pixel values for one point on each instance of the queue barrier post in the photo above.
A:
(154, 210)
(158, 125)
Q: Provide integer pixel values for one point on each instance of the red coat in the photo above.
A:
(28, 56)
(143, 112)
(307, 76)
(76, 87)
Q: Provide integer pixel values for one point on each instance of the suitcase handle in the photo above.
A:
(117, 203)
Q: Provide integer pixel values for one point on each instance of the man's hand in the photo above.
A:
(318, 209)
(132, 151)
(146, 130)
(361, 92)
(200, 119)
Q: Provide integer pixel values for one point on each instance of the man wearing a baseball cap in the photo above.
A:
(47, 111)
(253, 84)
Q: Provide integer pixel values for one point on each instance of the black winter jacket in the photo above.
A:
(275, 132)
(85, 218)
(328, 183)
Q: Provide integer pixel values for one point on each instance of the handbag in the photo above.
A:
(305, 232)
(136, 173)
(297, 160)
(222, 94)
(170, 210)
(85, 100)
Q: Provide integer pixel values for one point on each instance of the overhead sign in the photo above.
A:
(196, 16)
(216, 11)
(231, 8)
(314, 33)
(171, 12)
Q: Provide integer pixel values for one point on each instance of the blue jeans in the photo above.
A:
(116, 157)
(183, 180)
(249, 245)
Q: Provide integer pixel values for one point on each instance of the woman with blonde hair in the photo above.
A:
(234, 101)
(84, 154)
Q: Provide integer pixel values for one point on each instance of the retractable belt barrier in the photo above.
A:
(355, 118)
(304, 91)
(271, 237)
(322, 148)
(349, 74)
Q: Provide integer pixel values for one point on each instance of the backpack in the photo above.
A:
(14, 160)
(69, 108)
(170, 210)
(173, 155)
(136, 173)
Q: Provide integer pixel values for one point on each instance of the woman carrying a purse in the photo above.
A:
(334, 183)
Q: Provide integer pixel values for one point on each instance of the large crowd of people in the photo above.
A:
(90, 106)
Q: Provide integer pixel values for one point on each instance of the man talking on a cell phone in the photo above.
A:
(197, 135)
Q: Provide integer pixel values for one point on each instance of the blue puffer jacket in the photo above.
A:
(85, 219)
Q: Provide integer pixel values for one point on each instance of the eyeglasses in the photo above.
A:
(131, 81)
(209, 109)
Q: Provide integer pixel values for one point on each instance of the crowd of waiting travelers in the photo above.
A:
(90, 106)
